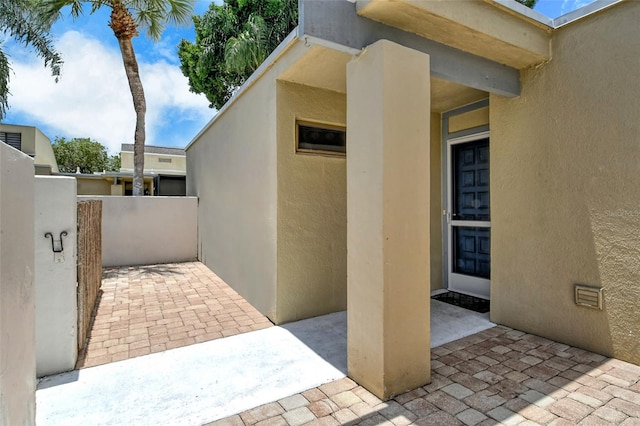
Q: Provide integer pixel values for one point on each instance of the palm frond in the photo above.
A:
(244, 53)
(154, 15)
(5, 74)
(26, 27)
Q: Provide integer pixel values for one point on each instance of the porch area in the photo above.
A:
(499, 376)
(235, 368)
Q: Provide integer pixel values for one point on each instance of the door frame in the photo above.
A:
(467, 135)
(464, 283)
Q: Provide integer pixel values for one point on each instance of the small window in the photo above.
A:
(321, 139)
(12, 139)
(164, 160)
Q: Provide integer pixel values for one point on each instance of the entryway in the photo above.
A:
(468, 218)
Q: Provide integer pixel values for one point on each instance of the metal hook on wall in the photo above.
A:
(53, 241)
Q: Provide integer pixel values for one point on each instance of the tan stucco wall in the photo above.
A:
(469, 120)
(17, 292)
(89, 186)
(126, 160)
(312, 209)
(152, 164)
(34, 143)
(565, 199)
(148, 230)
(44, 151)
(388, 196)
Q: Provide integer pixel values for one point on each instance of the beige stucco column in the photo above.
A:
(388, 114)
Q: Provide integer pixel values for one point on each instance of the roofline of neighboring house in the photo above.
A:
(154, 149)
(101, 175)
(510, 5)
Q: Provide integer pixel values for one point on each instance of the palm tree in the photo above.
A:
(17, 22)
(261, 34)
(127, 17)
(245, 53)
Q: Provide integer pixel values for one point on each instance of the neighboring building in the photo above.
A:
(32, 142)
(486, 149)
(164, 174)
(167, 165)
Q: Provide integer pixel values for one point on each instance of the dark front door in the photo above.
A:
(469, 217)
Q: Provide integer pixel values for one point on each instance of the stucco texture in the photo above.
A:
(148, 230)
(55, 211)
(232, 169)
(17, 291)
(312, 209)
(565, 197)
(388, 238)
(93, 186)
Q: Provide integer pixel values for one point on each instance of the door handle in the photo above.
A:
(447, 214)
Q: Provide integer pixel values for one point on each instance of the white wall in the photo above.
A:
(148, 230)
(55, 275)
(232, 170)
(17, 317)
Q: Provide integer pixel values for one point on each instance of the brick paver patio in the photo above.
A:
(498, 376)
(147, 309)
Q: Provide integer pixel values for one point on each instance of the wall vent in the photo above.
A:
(590, 297)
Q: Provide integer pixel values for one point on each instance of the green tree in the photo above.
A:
(127, 17)
(85, 154)
(17, 21)
(113, 163)
(528, 3)
(232, 40)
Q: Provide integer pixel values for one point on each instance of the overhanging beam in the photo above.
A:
(336, 24)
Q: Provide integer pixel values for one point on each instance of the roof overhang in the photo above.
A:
(483, 28)
(323, 67)
(341, 25)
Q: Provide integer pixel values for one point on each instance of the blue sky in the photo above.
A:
(92, 98)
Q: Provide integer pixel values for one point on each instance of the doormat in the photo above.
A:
(465, 301)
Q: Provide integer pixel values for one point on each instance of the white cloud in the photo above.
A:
(571, 5)
(92, 98)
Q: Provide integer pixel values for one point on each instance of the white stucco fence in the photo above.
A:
(148, 230)
(17, 317)
(55, 274)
